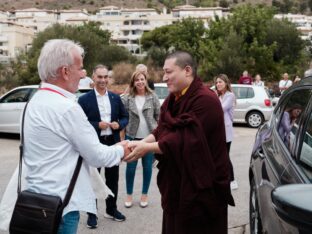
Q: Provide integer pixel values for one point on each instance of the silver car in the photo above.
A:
(162, 92)
(12, 104)
(253, 104)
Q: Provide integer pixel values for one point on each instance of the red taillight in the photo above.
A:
(267, 102)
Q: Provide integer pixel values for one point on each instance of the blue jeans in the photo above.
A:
(147, 164)
(69, 223)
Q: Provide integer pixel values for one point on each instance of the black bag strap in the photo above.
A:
(75, 174)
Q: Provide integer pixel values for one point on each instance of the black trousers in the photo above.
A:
(111, 177)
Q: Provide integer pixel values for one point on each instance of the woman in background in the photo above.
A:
(258, 81)
(227, 99)
(143, 107)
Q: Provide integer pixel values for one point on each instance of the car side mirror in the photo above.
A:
(293, 204)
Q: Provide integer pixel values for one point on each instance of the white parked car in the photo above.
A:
(253, 104)
(161, 90)
(12, 105)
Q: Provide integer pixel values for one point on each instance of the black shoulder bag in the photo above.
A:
(35, 212)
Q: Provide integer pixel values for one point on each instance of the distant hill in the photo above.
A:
(93, 5)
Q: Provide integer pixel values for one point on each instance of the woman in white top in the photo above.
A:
(143, 107)
(227, 99)
(258, 81)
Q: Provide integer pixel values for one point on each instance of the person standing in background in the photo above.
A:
(106, 113)
(143, 68)
(258, 81)
(143, 107)
(245, 79)
(85, 81)
(227, 99)
(297, 79)
(285, 83)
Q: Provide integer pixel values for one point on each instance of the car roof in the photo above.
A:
(27, 86)
(160, 84)
(245, 85)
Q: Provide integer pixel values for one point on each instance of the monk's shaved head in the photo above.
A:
(184, 59)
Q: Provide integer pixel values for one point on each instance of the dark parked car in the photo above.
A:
(280, 171)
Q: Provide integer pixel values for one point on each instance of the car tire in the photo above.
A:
(254, 214)
(254, 119)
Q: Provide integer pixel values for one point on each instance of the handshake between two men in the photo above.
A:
(133, 150)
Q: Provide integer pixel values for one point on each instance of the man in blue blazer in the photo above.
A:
(106, 113)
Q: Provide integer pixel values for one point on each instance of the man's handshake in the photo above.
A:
(133, 150)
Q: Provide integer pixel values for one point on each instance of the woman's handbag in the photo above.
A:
(35, 212)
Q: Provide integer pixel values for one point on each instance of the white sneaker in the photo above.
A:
(234, 185)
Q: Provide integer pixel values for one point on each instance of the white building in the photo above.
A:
(38, 19)
(302, 22)
(125, 25)
(128, 25)
(209, 13)
(68, 16)
(14, 39)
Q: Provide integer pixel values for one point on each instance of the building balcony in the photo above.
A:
(136, 27)
(4, 59)
(3, 48)
(4, 39)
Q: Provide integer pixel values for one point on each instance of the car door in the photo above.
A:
(11, 107)
(244, 99)
(299, 169)
(277, 152)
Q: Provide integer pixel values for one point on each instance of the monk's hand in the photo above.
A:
(114, 125)
(138, 150)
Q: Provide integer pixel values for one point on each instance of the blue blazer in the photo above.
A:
(89, 104)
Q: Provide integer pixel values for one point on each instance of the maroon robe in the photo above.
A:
(194, 174)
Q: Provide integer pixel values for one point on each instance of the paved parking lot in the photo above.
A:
(148, 220)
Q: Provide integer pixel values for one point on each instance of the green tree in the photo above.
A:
(268, 46)
(184, 35)
(113, 54)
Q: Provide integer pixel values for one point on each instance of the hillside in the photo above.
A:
(93, 5)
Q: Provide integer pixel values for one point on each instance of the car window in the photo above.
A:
(243, 92)
(250, 93)
(16, 96)
(290, 114)
(32, 92)
(161, 92)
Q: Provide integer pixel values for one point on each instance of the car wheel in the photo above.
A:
(254, 119)
(254, 215)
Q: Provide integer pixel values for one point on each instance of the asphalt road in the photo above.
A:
(148, 220)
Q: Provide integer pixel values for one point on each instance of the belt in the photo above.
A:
(107, 137)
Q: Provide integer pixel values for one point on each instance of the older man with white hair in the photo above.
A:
(57, 131)
(285, 83)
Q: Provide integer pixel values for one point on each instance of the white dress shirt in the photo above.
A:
(105, 111)
(142, 131)
(56, 131)
(285, 84)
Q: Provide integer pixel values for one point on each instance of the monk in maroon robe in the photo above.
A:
(189, 142)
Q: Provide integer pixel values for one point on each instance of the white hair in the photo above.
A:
(54, 54)
(141, 67)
